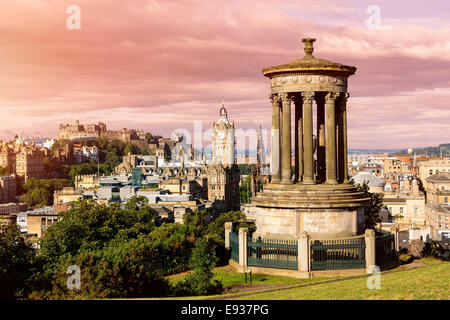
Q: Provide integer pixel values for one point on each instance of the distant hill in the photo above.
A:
(429, 151)
(362, 151)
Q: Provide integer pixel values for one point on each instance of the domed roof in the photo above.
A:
(310, 63)
(372, 180)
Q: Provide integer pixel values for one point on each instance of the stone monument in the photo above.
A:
(316, 197)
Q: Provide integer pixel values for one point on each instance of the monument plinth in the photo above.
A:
(318, 197)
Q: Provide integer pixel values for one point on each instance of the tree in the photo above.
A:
(245, 169)
(39, 192)
(145, 152)
(197, 220)
(16, 260)
(202, 262)
(371, 214)
(131, 148)
(89, 225)
(148, 136)
(216, 229)
(245, 190)
(6, 171)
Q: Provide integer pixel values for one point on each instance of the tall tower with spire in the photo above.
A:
(223, 172)
(222, 139)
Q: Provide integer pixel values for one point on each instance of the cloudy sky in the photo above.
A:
(161, 65)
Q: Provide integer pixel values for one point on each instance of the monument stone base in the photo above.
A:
(323, 211)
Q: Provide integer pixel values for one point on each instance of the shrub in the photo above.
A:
(16, 259)
(405, 258)
(203, 260)
(435, 249)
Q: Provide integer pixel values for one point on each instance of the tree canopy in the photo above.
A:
(39, 192)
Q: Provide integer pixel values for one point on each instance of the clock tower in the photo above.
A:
(222, 139)
(223, 173)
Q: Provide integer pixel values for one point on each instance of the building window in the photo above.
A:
(446, 200)
(401, 210)
(439, 217)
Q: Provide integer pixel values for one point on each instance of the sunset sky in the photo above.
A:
(161, 65)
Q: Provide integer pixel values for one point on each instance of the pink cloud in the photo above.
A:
(160, 65)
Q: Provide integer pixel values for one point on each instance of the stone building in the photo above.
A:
(317, 198)
(38, 221)
(438, 188)
(8, 188)
(67, 195)
(87, 181)
(223, 187)
(130, 161)
(29, 163)
(437, 209)
(396, 167)
(7, 157)
(78, 132)
(438, 217)
(430, 167)
(81, 132)
(406, 206)
(9, 211)
(223, 173)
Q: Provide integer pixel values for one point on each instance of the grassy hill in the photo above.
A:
(425, 279)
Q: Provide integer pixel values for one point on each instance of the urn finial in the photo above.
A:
(309, 48)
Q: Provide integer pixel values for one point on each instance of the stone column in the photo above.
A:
(308, 160)
(286, 140)
(395, 232)
(243, 247)
(275, 155)
(344, 98)
(303, 252)
(370, 249)
(331, 137)
(228, 229)
(320, 140)
(298, 139)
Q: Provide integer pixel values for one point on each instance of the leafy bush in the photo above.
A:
(371, 214)
(39, 192)
(405, 258)
(202, 261)
(435, 249)
(16, 259)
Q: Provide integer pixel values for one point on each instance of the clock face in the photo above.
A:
(221, 135)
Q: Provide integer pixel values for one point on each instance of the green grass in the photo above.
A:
(425, 283)
(428, 282)
(229, 277)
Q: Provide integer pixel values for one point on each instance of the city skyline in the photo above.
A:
(122, 69)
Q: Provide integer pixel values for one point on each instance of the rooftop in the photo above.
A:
(439, 177)
(368, 177)
(310, 63)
